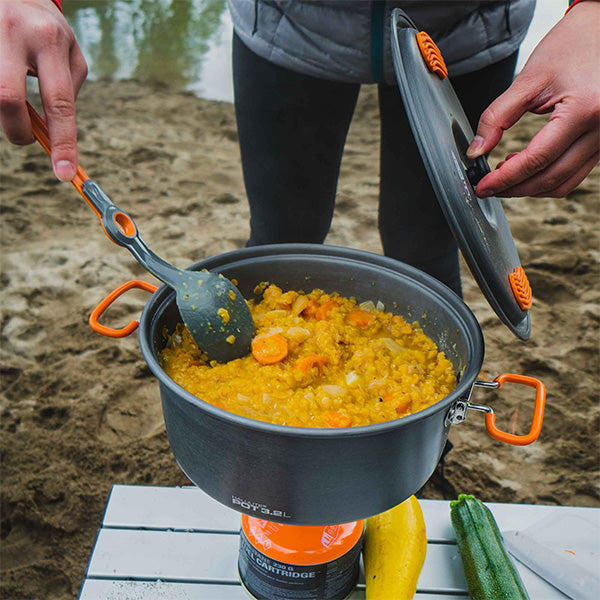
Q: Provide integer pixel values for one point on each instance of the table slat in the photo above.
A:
(212, 558)
(103, 589)
(190, 509)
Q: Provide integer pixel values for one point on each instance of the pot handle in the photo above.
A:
(104, 304)
(538, 409)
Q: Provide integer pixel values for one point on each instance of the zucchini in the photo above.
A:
(489, 571)
(394, 552)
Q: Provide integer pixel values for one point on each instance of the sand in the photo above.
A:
(81, 412)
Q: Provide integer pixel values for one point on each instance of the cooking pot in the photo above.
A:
(305, 476)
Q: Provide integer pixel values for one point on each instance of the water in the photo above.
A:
(187, 43)
(183, 43)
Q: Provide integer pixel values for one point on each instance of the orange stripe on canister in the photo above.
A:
(280, 561)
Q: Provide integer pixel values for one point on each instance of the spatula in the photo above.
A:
(211, 307)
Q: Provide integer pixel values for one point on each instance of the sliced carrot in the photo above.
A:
(334, 418)
(269, 350)
(401, 406)
(323, 310)
(311, 309)
(360, 318)
(306, 363)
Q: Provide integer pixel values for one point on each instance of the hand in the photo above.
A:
(35, 39)
(561, 76)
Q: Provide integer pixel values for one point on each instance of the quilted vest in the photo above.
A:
(350, 40)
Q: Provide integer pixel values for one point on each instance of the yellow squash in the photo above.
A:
(394, 552)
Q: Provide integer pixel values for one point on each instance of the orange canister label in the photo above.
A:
(289, 562)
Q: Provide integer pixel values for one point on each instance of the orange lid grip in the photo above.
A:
(104, 304)
(431, 55)
(521, 288)
(538, 412)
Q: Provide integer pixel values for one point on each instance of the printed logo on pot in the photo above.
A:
(257, 507)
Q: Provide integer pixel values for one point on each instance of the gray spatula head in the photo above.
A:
(215, 313)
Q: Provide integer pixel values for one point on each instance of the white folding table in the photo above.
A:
(160, 543)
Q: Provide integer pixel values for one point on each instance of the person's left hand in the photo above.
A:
(561, 76)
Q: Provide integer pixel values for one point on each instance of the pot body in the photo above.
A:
(308, 476)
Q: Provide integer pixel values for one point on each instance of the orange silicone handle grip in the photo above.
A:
(538, 412)
(40, 131)
(99, 310)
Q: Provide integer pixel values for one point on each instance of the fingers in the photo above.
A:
(570, 184)
(553, 177)
(14, 118)
(552, 142)
(79, 69)
(35, 38)
(58, 98)
(500, 115)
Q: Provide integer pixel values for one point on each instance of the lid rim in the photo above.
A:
(440, 129)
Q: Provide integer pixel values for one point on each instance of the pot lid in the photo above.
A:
(443, 134)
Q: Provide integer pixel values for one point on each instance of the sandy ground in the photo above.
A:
(80, 412)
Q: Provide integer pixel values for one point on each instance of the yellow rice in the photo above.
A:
(376, 372)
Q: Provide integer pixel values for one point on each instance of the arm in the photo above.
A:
(562, 77)
(35, 39)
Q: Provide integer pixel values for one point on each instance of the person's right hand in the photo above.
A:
(35, 39)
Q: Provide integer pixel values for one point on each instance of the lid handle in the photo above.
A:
(478, 170)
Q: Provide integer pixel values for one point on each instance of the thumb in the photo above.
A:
(500, 115)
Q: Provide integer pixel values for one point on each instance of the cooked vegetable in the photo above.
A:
(308, 362)
(393, 346)
(400, 404)
(271, 349)
(335, 418)
(300, 304)
(360, 318)
(310, 310)
(489, 571)
(368, 305)
(322, 313)
(334, 390)
(394, 552)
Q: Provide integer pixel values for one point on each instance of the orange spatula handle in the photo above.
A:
(40, 131)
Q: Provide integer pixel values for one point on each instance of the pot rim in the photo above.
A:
(164, 295)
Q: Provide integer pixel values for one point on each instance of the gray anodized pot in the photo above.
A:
(307, 476)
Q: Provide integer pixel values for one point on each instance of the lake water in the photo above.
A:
(187, 43)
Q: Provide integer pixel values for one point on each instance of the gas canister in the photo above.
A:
(292, 562)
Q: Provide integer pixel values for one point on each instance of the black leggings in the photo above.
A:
(292, 129)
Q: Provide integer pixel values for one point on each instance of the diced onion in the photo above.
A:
(393, 346)
(334, 390)
(272, 313)
(380, 306)
(351, 378)
(298, 333)
(269, 332)
(242, 398)
(376, 383)
(300, 303)
(368, 305)
(276, 313)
